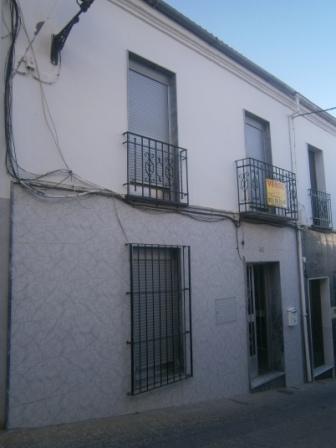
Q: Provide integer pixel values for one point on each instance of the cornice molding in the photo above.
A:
(163, 24)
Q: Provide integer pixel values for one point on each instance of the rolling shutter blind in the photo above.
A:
(148, 106)
(152, 160)
(255, 139)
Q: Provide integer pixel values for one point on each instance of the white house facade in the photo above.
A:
(166, 217)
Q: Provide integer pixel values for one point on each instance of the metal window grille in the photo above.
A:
(161, 339)
(156, 171)
(252, 175)
(321, 209)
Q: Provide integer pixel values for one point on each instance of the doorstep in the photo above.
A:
(322, 370)
(261, 380)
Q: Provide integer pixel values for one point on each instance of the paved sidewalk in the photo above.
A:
(302, 417)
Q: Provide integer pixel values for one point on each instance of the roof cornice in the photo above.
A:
(235, 56)
(169, 21)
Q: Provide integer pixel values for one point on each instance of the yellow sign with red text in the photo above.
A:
(276, 193)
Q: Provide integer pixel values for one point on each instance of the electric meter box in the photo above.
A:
(292, 316)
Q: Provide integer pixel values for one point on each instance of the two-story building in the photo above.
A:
(314, 146)
(165, 218)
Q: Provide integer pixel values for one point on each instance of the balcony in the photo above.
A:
(156, 171)
(266, 192)
(321, 209)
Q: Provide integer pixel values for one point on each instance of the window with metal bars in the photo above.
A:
(156, 171)
(161, 343)
(255, 179)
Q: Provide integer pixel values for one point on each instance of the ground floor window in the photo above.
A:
(161, 344)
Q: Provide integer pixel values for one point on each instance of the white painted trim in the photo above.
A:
(266, 378)
(322, 369)
(326, 321)
(186, 38)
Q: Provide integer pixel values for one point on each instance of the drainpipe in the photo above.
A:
(303, 305)
(292, 144)
(291, 129)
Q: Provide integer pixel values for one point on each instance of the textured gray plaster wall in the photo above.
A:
(4, 263)
(320, 251)
(71, 314)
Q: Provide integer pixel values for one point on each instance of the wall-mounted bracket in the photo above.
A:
(58, 40)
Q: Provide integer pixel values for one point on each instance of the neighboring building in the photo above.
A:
(158, 200)
(316, 159)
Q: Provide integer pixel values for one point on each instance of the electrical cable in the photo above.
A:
(296, 115)
(30, 44)
(31, 41)
(38, 184)
(242, 259)
(44, 102)
(15, 24)
(119, 221)
(23, 177)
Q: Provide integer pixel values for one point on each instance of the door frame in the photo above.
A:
(271, 268)
(249, 116)
(250, 283)
(326, 326)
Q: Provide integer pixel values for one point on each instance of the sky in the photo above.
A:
(294, 40)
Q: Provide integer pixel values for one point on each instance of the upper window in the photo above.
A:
(257, 138)
(151, 98)
(160, 316)
(156, 166)
(320, 200)
(316, 169)
(265, 191)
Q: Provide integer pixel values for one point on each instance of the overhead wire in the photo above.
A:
(44, 101)
(319, 111)
(14, 27)
(39, 185)
(38, 28)
(25, 178)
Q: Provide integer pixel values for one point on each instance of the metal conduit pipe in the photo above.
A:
(303, 306)
(304, 317)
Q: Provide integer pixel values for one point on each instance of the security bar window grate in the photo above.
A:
(156, 171)
(321, 209)
(264, 189)
(161, 342)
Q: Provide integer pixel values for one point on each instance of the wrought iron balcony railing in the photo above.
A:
(321, 209)
(265, 190)
(156, 171)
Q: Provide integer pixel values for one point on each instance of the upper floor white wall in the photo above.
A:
(308, 134)
(88, 101)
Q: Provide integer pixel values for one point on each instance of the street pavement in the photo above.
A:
(300, 417)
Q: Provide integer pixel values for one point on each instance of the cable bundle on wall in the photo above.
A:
(15, 24)
(40, 185)
(37, 184)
